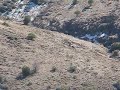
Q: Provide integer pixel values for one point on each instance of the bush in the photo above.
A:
(74, 2)
(115, 53)
(5, 24)
(72, 68)
(63, 88)
(39, 2)
(14, 0)
(27, 20)
(53, 69)
(25, 71)
(31, 36)
(115, 46)
(77, 12)
(90, 2)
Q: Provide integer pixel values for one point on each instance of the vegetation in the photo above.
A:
(77, 12)
(39, 2)
(115, 46)
(27, 20)
(6, 24)
(74, 2)
(31, 36)
(53, 69)
(72, 68)
(63, 88)
(25, 71)
(90, 2)
(115, 53)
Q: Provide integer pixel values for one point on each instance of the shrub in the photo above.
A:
(77, 12)
(63, 88)
(25, 71)
(39, 1)
(5, 24)
(27, 20)
(14, 0)
(53, 69)
(74, 2)
(29, 84)
(115, 53)
(72, 68)
(115, 46)
(90, 2)
(31, 36)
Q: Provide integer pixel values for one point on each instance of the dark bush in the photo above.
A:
(115, 46)
(25, 71)
(74, 2)
(115, 53)
(27, 20)
(90, 2)
(53, 69)
(39, 2)
(72, 68)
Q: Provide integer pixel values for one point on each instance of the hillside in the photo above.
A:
(94, 70)
(97, 22)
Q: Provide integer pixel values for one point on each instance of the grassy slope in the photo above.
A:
(94, 68)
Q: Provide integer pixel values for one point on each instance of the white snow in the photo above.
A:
(30, 9)
(102, 35)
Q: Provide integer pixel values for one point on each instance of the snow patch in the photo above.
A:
(24, 9)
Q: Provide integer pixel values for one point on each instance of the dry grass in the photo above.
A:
(94, 68)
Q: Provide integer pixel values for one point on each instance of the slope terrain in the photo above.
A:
(92, 68)
(96, 22)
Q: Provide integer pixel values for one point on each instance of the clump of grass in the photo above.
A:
(72, 68)
(53, 69)
(74, 2)
(5, 24)
(115, 53)
(26, 71)
(115, 46)
(90, 2)
(31, 36)
(30, 83)
(63, 88)
(77, 12)
(27, 20)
